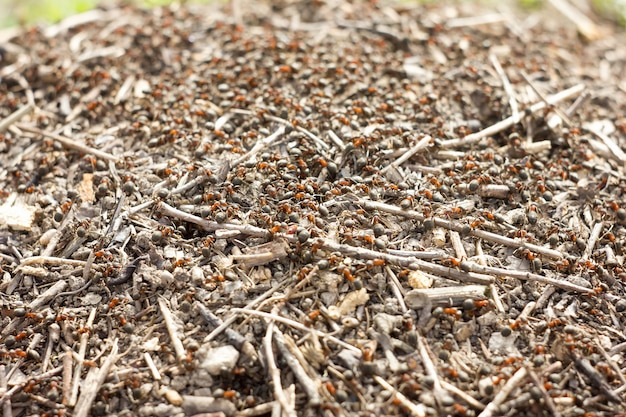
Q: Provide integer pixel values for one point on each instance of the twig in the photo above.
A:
(258, 147)
(430, 369)
(308, 384)
(48, 295)
(84, 339)
(54, 334)
(66, 387)
(463, 395)
(15, 116)
(593, 239)
(546, 397)
(98, 376)
(507, 86)
(252, 304)
(525, 276)
(407, 262)
(319, 142)
(457, 244)
(171, 330)
(273, 371)
(211, 226)
(336, 140)
(51, 260)
(488, 19)
(235, 338)
(396, 287)
(614, 149)
(461, 228)
(54, 241)
(415, 410)
(153, 369)
(421, 144)
(584, 25)
(513, 382)
(448, 296)
(298, 326)
(68, 143)
(257, 410)
(7, 411)
(492, 287)
(560, 113)
(17, 387)
(510, 121)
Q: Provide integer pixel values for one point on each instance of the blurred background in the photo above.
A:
(29, 12)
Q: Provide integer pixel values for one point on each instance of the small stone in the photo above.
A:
(195, 405)
(223, 358)
(173, 397)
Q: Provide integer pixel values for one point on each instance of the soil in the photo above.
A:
(313, 208)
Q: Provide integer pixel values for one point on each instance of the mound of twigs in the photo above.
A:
(313, 208)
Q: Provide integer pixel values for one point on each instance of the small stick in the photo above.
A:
(396, 287)
(584, 25)
(457, 244)
(429, 368)
(78, 369)
(507, 86)
(89, 392)
(68, 143)
(407, 262)
(332, 246)
(488, 19)
(66, 387)
(15, 116)
(542, 96)
(446, 224)
(525, 276)
(257, 410)
(446, 296)
(418, 254)
(51, 260)
(258, 147)
(510, 121)
(546, 397)
(54, 241)
(593, 239)
(528, 309)
(300, 129)
(298, 326)
(492, 287)
(7, 411)
(421, 144)
(513, 382)
(7, 395)
(54, 334)
(308, 385)
(211, 226)
(336, 140)
(171, 330)
(153, 369)
(462, 395)
(48, 295)
(274, 373)
(415, 410)
(252, 304)
(234, 337)
(613, 147)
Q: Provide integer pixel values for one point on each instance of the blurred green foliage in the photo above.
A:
(14, 12)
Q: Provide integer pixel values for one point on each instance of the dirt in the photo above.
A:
(313, 208)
